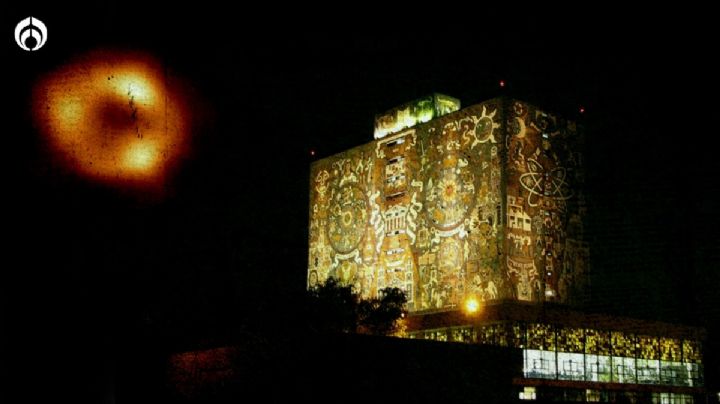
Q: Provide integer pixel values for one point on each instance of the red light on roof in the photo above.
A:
(502, 83)
(582, 110)
(312, 152)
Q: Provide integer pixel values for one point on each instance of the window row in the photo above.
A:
(550, 337)
(541, 364)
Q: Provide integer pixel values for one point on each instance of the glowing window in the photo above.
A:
(691, 351)
(623, 370)
(694, 372)
(672, 398)
(649, 347)
(571, 366)
(539, 364)
(622, 344)
(674, 373)
(528, 393)
(592, 396)
(395, 142)
(597, 368)
(540, 336)
(597, 342)
(670, 349)
(648, 371)
(464, 334)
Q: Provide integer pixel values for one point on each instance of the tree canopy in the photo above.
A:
(333, 307)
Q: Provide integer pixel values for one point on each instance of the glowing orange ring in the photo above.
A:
(113, 117)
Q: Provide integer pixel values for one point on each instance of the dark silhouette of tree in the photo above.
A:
(381, 315)
(332, 307)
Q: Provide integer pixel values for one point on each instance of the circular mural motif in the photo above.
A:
(348, 218)
(484, 128)
(450, 192)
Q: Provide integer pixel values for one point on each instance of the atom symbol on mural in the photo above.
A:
(550, 185)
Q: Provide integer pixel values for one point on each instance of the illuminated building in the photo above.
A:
(483, 208)
(452, 204)
(580, 356)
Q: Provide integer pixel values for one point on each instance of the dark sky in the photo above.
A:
(89, 265)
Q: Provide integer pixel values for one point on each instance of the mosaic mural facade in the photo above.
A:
(483, 202)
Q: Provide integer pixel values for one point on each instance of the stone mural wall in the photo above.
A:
(478, 203)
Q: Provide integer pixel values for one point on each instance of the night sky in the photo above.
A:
(91, 269)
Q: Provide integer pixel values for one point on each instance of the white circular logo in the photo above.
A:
(30, 34)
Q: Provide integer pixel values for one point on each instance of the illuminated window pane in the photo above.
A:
(694, 372)
(539, 364)
(517, 339)
(597, 342)
(464, 334)
(436, 335)
(648, 347)
(648, 371)
(571, 366)
(670, 349)
(691, 351)
(673, 373)
(622, 344)
(597, 368)
(501, 336)
(592, 396)
(623, 370)
(540, 336)
(528, 393)
(570, 339)
(486, 335)
(672, 398)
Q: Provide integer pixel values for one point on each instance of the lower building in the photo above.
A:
(572, 356)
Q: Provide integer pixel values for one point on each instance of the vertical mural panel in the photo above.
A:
(397, 159)
(459, 183)
(546, 257)
(343, 212)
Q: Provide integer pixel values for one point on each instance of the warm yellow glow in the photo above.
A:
(420, 209)
(404, 119)
(133, 86)
(412, 113)
(114, 117)
(140, 156)
(70, 111)
(472, 305)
